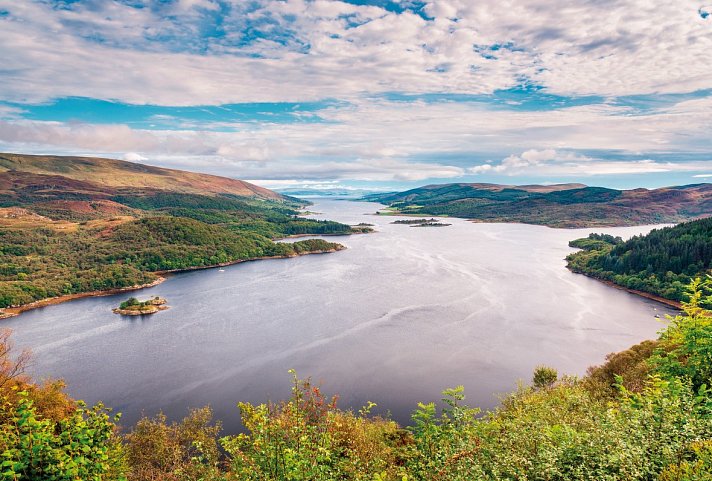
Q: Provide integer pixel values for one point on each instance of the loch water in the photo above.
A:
(394, 319)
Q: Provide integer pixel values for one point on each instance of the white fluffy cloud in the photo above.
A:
(551, 162)
(382, 140)
(177, 53)
(134, 157)
(169, 53)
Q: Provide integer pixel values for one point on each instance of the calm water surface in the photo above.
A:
(395, 318)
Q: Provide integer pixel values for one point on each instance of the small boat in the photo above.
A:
(221, 270)
(657, 316)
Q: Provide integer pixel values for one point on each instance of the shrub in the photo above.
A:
(544, 377)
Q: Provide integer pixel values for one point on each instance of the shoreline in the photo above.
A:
(297, 236)
(240, 261)
(396, 213)
(9, 312)
(653, 297)
(50, 301)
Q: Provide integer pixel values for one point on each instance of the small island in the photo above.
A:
(362, 228)
(432, 222)
(416, 221)
(134, 307)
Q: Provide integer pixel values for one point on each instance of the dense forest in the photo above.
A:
(661, 262)
(644, 415)
(562, 205)
(73, 225)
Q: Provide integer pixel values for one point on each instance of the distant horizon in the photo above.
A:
(280, 186)
(366, 94)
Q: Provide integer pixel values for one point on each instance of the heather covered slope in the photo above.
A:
(563, 205)
(116, 174)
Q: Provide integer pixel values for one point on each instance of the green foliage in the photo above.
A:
(80, 446)
(447, 446)
(685, 347)
(171, 230)
(307, 438)
(645, 415)
(661, 262)
(544, 377)
(186, 451)
(130, 302)
(40, 263)
(695, 465)
(595, 242)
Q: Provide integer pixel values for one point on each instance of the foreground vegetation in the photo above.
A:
(661, 262)
(646, 414)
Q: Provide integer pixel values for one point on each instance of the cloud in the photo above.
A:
(379, 139)
(527, 161)
(566, 164)
(134, 157)
(206, 52)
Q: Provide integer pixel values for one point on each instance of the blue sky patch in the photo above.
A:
(154, 117)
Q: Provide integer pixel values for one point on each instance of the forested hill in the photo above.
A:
(70, 225)
(661, 262)
(562, 205)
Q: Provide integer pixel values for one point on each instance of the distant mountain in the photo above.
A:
(306, 192)
(560, 205)
(115, 174)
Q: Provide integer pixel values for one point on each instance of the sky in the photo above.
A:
(379, 94)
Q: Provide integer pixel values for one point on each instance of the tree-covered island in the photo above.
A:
(134, 307)
(432, 222)
(415, 221)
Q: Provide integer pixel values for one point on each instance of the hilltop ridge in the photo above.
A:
(560, 205)
(116, 174)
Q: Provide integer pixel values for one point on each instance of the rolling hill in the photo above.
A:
(75, 225)
(561, 205)
(120, 174)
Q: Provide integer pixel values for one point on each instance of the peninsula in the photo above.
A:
(77, 226)
(659, 265)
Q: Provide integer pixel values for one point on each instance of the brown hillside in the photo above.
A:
(118, 173)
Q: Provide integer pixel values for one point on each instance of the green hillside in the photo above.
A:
(661, 262)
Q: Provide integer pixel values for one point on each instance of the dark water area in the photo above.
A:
(394, 319)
